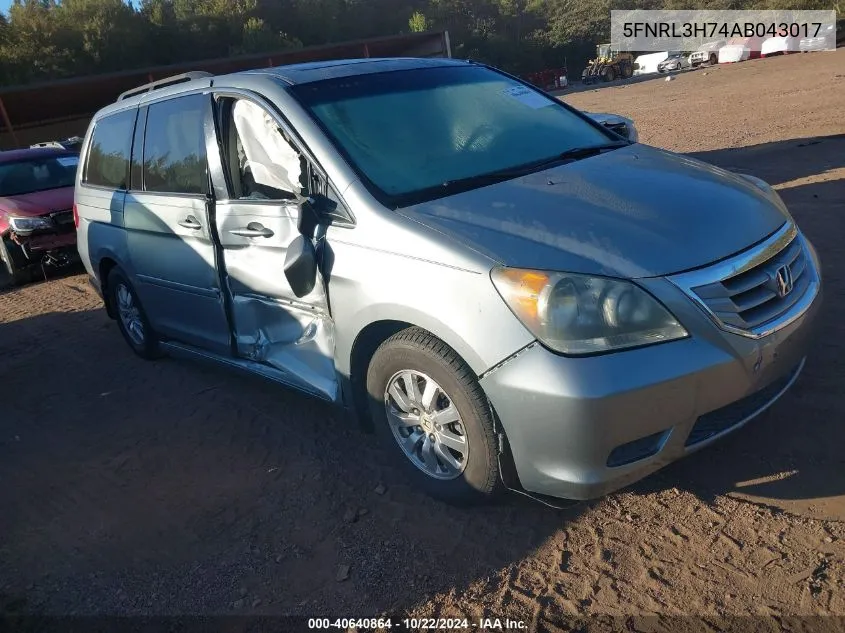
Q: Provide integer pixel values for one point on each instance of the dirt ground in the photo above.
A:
(175, 488)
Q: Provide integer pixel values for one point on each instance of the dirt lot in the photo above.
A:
(174, 488)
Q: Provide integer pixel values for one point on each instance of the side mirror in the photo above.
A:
(301, 265)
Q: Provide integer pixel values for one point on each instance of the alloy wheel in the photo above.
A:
(426, 424)
(130, 314)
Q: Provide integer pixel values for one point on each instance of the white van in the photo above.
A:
(647, 64)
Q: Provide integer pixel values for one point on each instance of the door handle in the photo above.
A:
(253, 229)
(191, 223)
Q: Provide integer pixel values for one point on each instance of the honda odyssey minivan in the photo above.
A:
(508, 293)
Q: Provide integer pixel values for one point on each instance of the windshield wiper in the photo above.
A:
(576, 153)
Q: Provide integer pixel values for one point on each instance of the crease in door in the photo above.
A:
(298, 342)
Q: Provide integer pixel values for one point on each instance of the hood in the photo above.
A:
(632, 212)
(38, 203)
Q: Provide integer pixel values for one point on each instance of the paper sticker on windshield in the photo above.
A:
(528, 97)
(68, 161)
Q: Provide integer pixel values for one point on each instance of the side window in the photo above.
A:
(262, 164)
(107, 164)
(174, 146)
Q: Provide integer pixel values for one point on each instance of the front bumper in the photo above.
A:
(42, 242)
(579, 428)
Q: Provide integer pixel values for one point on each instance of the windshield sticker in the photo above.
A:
(68, 161)
(528, 97)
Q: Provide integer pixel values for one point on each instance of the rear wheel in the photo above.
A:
(15, 264)
(131, 318)
(431, 414)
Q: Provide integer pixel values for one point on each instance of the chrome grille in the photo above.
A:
(745, 295)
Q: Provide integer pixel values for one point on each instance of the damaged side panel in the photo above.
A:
(294, 336)
(257, 219)
(296, 340)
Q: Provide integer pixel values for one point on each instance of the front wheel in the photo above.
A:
(14, 262)
(432, 415)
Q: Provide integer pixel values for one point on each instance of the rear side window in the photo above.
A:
(174, 146)
(107, 164)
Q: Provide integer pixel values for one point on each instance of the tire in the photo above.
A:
(471, 476)
(713, 59)
(143, 341)
(610, 74)
(11, 256)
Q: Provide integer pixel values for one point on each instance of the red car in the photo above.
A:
(36, 210)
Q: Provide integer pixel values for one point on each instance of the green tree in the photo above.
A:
(418, 23)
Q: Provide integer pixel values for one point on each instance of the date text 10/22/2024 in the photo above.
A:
(416, 624)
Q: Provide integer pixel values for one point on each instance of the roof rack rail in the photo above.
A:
(161, 83)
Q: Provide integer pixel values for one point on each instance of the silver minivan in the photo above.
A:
(506, 292)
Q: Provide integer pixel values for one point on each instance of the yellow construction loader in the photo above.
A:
(608, 65)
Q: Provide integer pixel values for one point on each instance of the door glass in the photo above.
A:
(262, 163)
(174, 146)
(107, 163)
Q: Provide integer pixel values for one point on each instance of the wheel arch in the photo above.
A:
(106, 262)
(375, 332)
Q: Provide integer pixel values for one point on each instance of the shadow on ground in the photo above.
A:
(174, 488)
(74, 269)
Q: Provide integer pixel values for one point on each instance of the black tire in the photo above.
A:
(610, 74)
(713, 59)
(417, 350)
(12, 258)
(148, 347)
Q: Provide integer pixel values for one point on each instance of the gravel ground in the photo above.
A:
(175, 488)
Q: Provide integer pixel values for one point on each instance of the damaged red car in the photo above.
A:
(37, 228)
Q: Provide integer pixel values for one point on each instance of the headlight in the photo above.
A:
(30, 224)
(581, 314)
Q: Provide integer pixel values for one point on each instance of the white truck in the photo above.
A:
(707, 53)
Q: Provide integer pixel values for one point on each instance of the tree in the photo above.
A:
(418, 23)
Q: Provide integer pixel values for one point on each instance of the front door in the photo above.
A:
(256, 219)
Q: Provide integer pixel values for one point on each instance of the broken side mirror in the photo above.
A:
(301, 265)
(313, 210)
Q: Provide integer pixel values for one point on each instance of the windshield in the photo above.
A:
(407, 133)
(37, 174)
